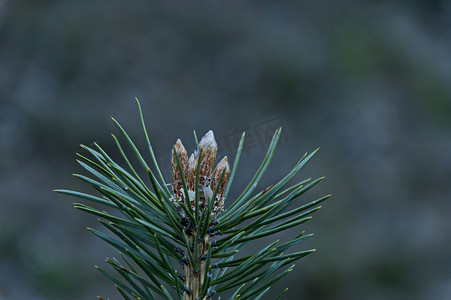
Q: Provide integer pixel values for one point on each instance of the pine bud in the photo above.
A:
(222, 165)
(208, 177)
(209, 150)
(183, 158)
(191, 173)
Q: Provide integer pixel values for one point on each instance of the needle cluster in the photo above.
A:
(182, 240)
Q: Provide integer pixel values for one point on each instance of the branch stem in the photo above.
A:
(195, 278)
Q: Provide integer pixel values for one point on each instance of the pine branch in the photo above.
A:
(157, 227)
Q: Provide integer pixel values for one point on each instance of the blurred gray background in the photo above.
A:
(367, 81)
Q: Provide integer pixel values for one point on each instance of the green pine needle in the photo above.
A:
(180, 251)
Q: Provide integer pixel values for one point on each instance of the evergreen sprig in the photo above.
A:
(157, 229)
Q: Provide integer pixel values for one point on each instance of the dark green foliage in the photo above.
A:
(151, 237)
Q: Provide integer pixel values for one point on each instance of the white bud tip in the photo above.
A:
(208, 140)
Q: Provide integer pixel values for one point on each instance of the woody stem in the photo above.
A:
(195, 278)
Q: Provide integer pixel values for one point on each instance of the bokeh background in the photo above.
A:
(367, 81)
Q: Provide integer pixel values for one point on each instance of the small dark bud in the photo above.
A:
(181, 277)
(218, 232)
(184, 221)
(179, 251)
(187, 290)
(188, 231)
(183, 261)
(211, 293)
